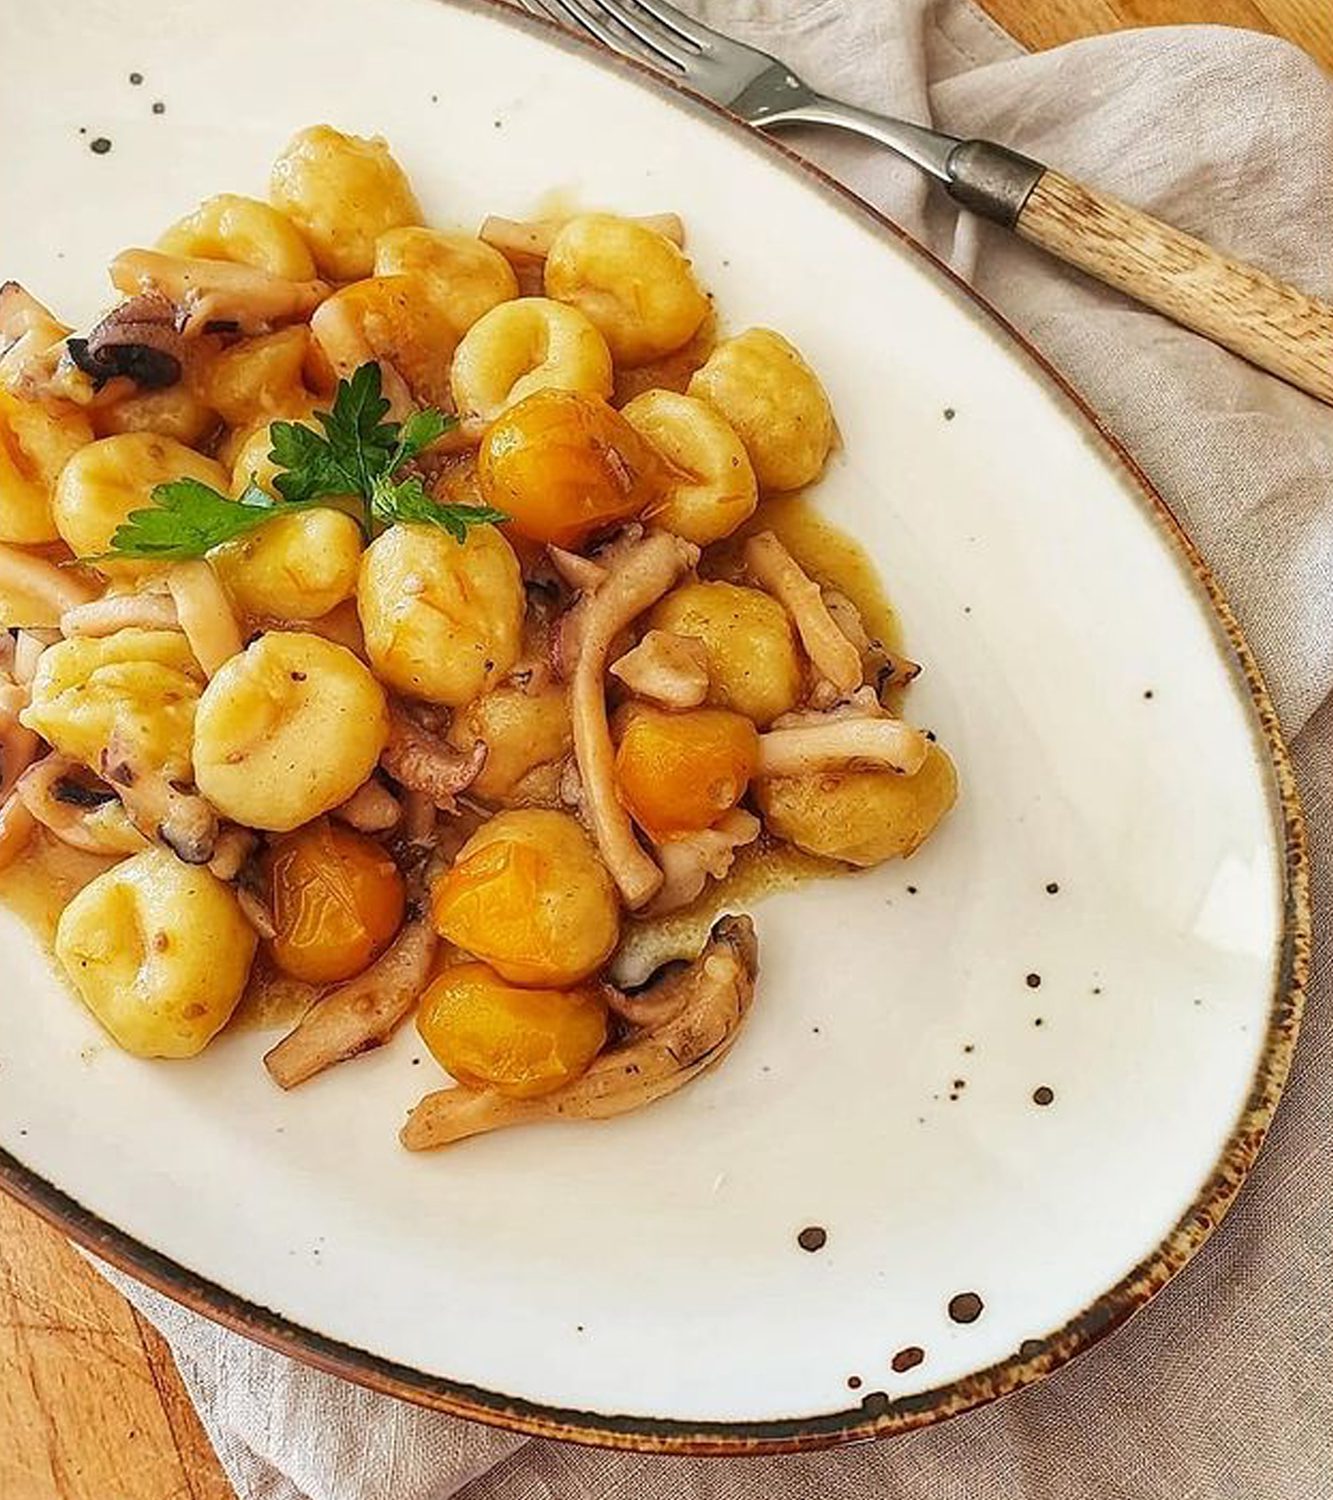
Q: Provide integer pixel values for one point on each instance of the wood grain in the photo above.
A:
(1048, 23)
(91, 1406)
(1272, 325)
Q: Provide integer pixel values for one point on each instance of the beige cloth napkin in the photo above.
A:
(1223, 1388)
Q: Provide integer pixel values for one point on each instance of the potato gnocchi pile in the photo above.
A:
(394, 609)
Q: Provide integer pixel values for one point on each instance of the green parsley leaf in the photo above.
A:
(356, 457)
(406, 502)
(188, 518)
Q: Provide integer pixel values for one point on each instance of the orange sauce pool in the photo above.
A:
(39, 885)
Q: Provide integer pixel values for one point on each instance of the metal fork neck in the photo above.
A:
(988, 179)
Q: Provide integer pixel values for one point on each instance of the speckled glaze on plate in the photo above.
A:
(988, 1101)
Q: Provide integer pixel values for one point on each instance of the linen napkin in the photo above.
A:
(1223, 1388)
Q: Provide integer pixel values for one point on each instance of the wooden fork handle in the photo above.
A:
(1245, 310)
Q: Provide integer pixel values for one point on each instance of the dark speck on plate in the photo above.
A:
(1147, 692)
(1043, 1095)
(907, 1359)
(949, 413)
(1037, 1021)
(968, 1047)
(99, 146)
(1052, 887)
(158, 107)
(875, 1404)
(853, 1382)
(812, 1238)
(136, 79)
(1033, 981)
(965, 1307)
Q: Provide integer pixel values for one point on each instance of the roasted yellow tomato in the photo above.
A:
(394, 320)
(860, 817)
(342, 192)
(104, 482)
(337, 901)
(753, 664)
(296, 567)
(140, 686)
(443, 619)
(175, 412)
(287, 730)
(256, 379)
(711, 488)
(522, 730)
(774, 400)
(563, 465)
(244, 230)
(680, 772)
(159, 951)
(520, 1042)
(634, 285)
(465, 276)
(36, 441)
(525, 346)
(529, 894)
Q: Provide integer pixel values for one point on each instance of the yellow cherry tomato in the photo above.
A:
(337, 899)
(529, 894)
(563, 465)
(520, 1042)
(680, 772)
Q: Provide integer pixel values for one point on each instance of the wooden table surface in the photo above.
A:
(91, 1406)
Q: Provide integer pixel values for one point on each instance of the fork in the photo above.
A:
(1245, 310)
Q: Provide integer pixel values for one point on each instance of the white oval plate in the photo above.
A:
(641, 1282)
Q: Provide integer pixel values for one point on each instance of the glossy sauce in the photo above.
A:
(837, 561)
(39, 885)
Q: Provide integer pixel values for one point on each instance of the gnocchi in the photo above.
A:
(137, 687)
(342, 192)
(711, 488)
(524, 730)
(287, 730)
(463, 276)
(528, 345)
(36, 441)
(443, 620)
(774, 400)
(754, 666)
(256, 378)
(107, 479)
(635, 286)
(298, 567)
(860, 817)
(394, 320)
(435, 641)
(244, 230)
(159, 952)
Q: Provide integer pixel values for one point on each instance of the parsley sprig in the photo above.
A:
(356, 461)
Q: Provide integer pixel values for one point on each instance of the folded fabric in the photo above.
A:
(1223, 1388)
